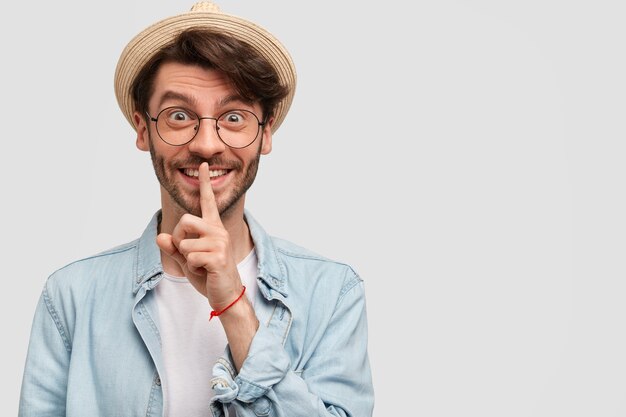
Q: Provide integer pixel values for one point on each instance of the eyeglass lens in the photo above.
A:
(236, 128)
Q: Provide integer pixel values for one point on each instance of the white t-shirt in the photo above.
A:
(191, 344)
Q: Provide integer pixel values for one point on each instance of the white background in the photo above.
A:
(466, 157)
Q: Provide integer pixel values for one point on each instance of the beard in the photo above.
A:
(190, 202)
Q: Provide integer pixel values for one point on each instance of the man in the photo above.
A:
(129, 332)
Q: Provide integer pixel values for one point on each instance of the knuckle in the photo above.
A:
(183, 247)
(221, 260)
(195, 259)
(186, 219)
(222, 236)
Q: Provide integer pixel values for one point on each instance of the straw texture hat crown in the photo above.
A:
(204, 14)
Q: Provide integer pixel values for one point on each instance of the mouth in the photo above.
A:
(194, 173)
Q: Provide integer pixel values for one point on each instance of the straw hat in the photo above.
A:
(204, 14)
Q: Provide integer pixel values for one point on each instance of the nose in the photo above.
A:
(207, 143)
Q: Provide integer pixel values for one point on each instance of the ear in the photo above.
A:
(143, 139)
(266, 146)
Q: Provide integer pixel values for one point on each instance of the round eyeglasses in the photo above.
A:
(177, 126)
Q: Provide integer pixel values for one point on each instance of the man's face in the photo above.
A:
(209, 94)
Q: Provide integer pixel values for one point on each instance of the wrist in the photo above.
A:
(219, 312)
(240, 325)
(240, 312)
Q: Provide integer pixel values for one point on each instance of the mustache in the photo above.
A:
(195, 161)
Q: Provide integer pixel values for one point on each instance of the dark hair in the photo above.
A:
(252, 76)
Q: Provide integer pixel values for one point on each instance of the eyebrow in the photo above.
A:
(233, 97)
(192, 101)
(173, 95)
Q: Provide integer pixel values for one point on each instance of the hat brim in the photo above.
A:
(148, 42)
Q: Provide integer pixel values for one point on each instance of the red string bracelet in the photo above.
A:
(217, 313)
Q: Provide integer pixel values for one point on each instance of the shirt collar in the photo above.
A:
(148, 261)
(271, 270)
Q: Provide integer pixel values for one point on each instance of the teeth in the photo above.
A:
(212, 174)
(217, 173)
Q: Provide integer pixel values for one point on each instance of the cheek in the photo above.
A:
(164, 151)
(250, 157)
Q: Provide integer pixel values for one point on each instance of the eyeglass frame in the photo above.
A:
(217, 130)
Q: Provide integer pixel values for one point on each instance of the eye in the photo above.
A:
(236, 120)
(232, 118)
(179, 115)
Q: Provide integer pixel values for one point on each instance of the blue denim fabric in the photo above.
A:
(95, 347)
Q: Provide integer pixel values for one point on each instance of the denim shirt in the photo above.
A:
(95, 347)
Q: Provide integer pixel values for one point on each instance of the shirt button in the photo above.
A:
(158, 381)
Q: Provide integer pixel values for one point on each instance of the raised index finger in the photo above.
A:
(208, 206)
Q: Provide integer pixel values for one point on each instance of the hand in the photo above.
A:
(202, 248)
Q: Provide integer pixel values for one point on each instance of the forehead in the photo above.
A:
(174, 75)
(191, 85)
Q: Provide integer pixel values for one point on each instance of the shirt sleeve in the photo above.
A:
(44, 383)
(336, 380)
